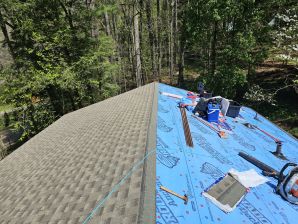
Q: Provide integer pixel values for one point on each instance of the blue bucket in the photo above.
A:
(213, 112)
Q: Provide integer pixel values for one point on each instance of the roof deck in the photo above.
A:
(190, 171)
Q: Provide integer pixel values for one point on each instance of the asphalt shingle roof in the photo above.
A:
(64, 172)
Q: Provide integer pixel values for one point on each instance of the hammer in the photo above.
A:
(184, 198)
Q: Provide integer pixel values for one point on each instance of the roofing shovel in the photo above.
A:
(287, 186)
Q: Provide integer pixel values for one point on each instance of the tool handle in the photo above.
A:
(171, 192)
(205, 123)
(266, 133)
(259, 164)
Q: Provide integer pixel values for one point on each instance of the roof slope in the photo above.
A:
(65, 171)
(190, 171)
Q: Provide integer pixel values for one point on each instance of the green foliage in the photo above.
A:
(34, 119)
(231, 37)
(1, 123)
(226, 81)
(58, 66)
(68, 54)
(6, 120)
(286, 34)
(258, 95)
(5, 107)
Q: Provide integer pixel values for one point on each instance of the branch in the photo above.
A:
(284, 87)
(9, 24)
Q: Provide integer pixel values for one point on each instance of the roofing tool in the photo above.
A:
(220, 133)
(171, 95)
(184, 198)
(287, 186)
(186, 129)
(256, 117)
(278, 142)
(259, 164)
(266, 133)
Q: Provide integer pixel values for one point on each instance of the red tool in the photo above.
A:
(294, 190)
(278, 142)
(285, 181)
(266, 133)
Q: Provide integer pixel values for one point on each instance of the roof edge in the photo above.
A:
(147, 205)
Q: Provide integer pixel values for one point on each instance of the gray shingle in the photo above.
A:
(60, 174)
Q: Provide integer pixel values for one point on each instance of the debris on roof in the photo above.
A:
(226, 193)
(192, 170)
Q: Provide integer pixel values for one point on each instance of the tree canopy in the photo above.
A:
(67, 54)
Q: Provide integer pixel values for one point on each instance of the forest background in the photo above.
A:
(60, 55)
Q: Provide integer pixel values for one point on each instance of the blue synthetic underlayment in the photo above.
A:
(191, 170)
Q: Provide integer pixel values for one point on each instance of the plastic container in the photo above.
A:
(234, 109)
(213, 112)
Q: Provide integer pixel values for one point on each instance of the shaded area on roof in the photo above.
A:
(61, 174)
(191, 170)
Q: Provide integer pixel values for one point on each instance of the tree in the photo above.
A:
(230, 37)
(6, 119)
(68, 54)
(137, 51)
(57, 61)
(286, 34)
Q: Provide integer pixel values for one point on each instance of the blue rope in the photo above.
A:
(100, 203)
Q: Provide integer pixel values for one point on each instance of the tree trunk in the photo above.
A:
(181, 63)
(213, 49)
(6, 36)
(144, 76)
(171, 65)
(151, 38)
(182, 43)
(107, 21)
(90, 94)
(138, 68)
(119, 46)
(78, 100)
(31, 112)
(69, 94)
(68, 15)
(158, 40)
(175, 39)
(94, 29)
(127, 48)
(55, 100)
(108, 30)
